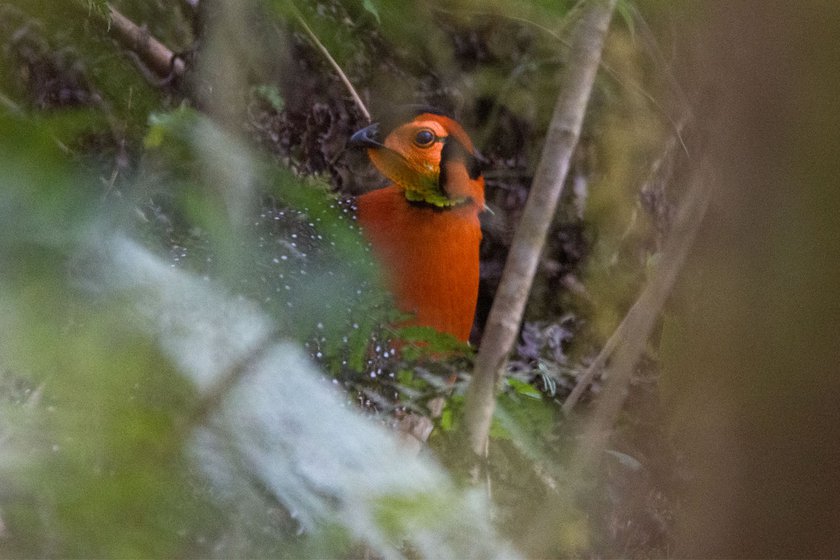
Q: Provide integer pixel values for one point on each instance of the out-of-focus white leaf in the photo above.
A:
(284, 427)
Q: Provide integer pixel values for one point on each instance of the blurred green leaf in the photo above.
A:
(424, 341)
(271, 94)
(370, 7)
(522, 388)
(525, 420)
(627, 11)
(446, 420)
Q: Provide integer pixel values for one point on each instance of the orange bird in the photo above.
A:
(424, 226)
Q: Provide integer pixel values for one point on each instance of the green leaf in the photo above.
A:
(625, 10)
(271, 94)
(446, 420)
(525, 421)
(430, 341)
(522, 388)
(371, 8)
(178, 124)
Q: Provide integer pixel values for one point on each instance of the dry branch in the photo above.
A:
(529, 240)
(154, 54)
(656, 175)
(640, 322)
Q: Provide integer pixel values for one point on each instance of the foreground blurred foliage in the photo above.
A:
(83, 370)
(129, 431)
(120, 435)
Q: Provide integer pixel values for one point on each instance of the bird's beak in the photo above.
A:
(367, 137)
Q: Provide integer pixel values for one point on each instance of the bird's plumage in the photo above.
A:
(424, 226)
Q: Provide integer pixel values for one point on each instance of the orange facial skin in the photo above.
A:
(424, 226)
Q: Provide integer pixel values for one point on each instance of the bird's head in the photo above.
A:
(428, 155)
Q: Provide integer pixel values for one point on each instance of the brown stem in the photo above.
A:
(152, 52)
(554, 511)
(656, 174)
(528, 242)
(640, 322)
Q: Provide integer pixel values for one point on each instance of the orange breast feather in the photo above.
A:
(429, 256)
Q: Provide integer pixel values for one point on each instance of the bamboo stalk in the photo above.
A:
(528, 242)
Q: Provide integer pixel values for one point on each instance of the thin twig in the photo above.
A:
(529, 240)
(9, 104)
(358, 100)
(597, 364)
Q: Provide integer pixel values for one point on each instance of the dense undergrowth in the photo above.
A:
(238, 173)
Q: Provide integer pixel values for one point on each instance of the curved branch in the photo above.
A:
(528, 242)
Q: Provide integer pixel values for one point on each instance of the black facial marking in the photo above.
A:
(453, 150)
(428, 206)
(474, 167)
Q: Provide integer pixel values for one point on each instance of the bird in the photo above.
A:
(424, 226)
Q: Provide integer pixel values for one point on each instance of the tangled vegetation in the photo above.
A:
(199, 358)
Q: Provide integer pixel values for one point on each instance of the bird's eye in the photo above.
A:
(425, 138)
